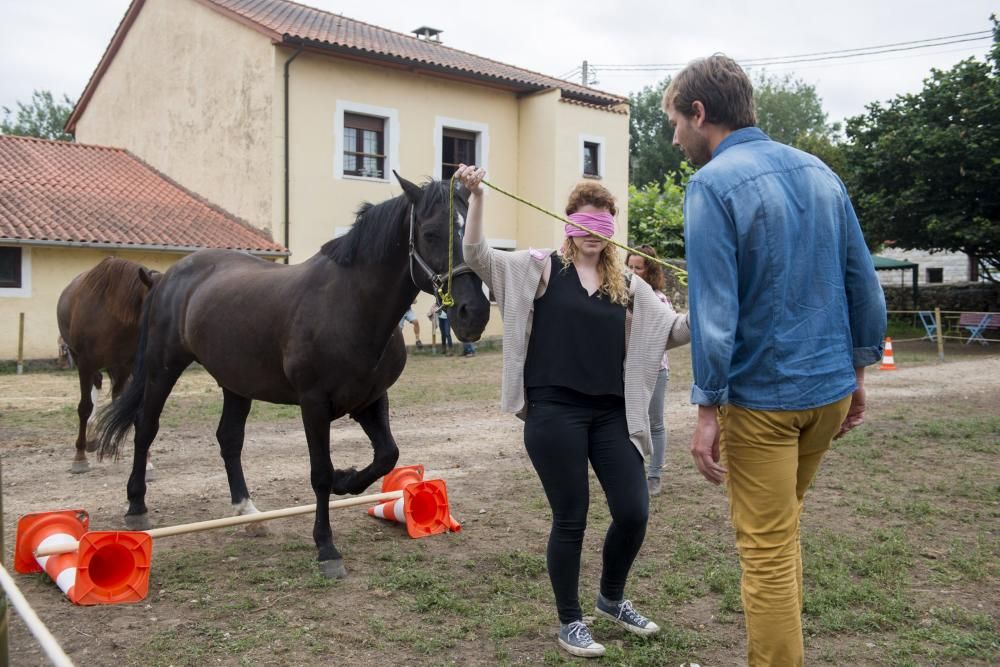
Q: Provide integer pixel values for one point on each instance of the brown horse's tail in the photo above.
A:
(117, 418)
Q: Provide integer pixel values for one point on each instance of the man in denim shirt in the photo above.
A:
(786, 312)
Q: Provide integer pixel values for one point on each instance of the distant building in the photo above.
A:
(199, 89)
(947, 267)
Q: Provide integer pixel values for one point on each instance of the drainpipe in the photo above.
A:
(288, 62)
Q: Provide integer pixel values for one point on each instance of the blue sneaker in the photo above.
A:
(625, 615)
(576, 639)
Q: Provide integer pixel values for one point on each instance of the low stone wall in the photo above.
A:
(975, 297)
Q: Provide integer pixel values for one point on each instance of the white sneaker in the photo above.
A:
(575, 637)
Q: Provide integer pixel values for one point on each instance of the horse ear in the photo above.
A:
(146, 277)
(413, 191)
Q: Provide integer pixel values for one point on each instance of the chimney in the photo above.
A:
(428, 34)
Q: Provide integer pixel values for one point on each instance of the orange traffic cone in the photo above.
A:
(398, 478)
(108, 567)
(424, 506)
(888, 364)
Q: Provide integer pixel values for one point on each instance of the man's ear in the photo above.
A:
(413, 191)
(698, 115)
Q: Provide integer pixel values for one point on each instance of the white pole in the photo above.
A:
(45, 639)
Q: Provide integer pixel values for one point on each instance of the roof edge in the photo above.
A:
(145, 247)
(598, 98)
(264, 234)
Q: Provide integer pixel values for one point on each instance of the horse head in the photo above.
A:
(430, 235)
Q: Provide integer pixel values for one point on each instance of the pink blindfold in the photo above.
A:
(602, 223)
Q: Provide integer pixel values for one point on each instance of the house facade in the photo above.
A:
(291, 117)
(66, 206)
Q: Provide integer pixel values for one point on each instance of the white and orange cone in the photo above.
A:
(888, 364)
(105, 567)
(423, 509)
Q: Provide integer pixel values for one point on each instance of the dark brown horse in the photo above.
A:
(323, 335)
(98, 316)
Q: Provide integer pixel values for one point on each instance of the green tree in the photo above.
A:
(43, 117)
(656, 213)
(925, 168)
(651, 151)
(826, 149)
(789, 109)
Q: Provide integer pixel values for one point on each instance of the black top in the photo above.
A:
(577, 340)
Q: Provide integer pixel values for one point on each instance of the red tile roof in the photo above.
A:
(292, 24)
(290, 21)
(60, 192)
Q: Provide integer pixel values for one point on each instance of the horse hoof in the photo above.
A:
(138, 521)
(257, 530)
(333, 569)
(92, 446)
(79, 467)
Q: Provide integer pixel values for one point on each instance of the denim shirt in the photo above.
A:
(784, 298)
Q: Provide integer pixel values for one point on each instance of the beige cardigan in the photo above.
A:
(514, 278)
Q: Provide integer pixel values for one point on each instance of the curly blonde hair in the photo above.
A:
(610, 268)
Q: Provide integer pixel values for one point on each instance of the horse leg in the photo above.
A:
(316, 417)
(95, 393)
(231, 434)
(159, 383)
(84, 411)
(374, 419)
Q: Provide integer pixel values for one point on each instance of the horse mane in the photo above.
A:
(116, 285)
(375, 231)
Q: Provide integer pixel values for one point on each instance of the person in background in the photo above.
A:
(652, 273)
(786, 313)
(441, 314)
(468, 349)
(583, 398)
(411, 317)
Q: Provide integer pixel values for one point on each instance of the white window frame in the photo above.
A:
(481, 130)
(24, 291)
(591, 139)
(390, 140)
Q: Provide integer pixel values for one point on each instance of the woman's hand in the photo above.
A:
(471, 178)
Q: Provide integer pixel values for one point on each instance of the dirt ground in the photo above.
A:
(481, 596)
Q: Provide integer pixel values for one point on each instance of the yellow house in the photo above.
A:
(290, 117)
(64, 207)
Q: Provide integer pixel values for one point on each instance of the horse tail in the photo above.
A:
(117, 418)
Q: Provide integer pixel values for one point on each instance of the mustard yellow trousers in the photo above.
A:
(772, 457)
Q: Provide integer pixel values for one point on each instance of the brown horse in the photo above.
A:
(323, 335)
(98, 315)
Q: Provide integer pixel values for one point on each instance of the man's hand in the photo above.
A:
(705, 445)
(856, 413)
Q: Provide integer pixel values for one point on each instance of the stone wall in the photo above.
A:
(977, 297)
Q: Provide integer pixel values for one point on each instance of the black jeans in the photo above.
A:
(560, 439)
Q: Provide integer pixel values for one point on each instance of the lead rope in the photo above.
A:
(677, 271)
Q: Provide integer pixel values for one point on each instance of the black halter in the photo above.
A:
(437, 279)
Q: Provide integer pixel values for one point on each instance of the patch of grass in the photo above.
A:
(856, 584)
(949, 634)
(724, 579)
(968, 562)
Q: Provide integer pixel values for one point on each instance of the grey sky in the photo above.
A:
(55, 44)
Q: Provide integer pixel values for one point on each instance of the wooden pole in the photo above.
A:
(211, 524)
(4, 614)
(940, 332)
(20, 344)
